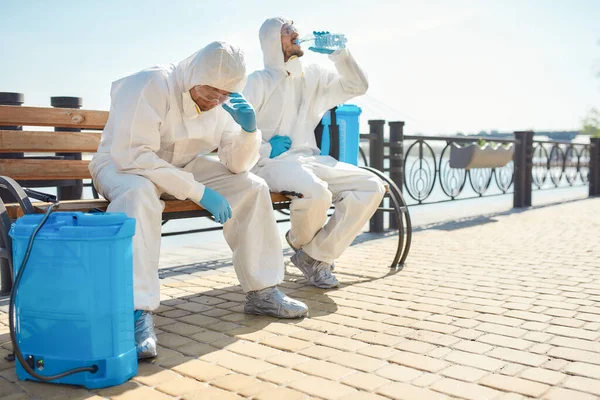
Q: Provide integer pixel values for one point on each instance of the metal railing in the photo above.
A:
(420, 165)
(560, 164)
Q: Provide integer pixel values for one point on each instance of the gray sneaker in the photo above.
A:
(273, 302)
(287, 239)
(145, 338)
(317, 273)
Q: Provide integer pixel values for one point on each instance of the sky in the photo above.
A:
(442, 67)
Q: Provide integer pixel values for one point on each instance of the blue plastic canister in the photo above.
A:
(74, 305)
(347, 116)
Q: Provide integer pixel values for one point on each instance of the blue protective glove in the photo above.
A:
(216, 205)
(320, 49)
(279, 144)
(242, 112)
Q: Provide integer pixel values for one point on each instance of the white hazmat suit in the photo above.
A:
(155, 144)
(293, 106)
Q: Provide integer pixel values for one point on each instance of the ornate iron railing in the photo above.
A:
(560, 164)
(421, 165)
(426, 164)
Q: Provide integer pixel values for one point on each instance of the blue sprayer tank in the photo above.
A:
(74, 305)
(347, 116)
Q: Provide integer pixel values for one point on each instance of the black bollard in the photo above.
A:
(523, 160)
(396, 160)
(68, 190)
(376, 161)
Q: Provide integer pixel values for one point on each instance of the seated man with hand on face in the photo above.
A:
(163, 121)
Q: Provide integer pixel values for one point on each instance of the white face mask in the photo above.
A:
(190, 109)
(294, 67)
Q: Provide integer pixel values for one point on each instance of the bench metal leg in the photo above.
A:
(6, 267)
(402, 218)
(18, 193)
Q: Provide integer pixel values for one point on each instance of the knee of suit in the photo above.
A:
(379, 189)
(319, 195)
(257, 184)
(253, 187)
(143, 195)
(371, 193)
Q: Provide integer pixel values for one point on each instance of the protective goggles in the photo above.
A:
(288, 29)
(210, 94)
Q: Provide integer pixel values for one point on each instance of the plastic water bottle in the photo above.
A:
(331, 41)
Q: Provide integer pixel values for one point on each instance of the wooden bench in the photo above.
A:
(51, 169)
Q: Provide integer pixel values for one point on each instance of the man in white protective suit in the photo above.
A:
(163, 122)
(290, 100)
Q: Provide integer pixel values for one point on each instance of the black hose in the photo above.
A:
(13, 336)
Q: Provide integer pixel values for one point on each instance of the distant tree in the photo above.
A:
(591, 123)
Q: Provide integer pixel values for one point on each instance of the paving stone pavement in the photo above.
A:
(504, 308)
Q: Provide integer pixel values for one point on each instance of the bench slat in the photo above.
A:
(38, 141)
(32, 169)
(171, 206)
(59, 117)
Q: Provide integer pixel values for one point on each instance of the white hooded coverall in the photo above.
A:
(155, 144)
(293, 106)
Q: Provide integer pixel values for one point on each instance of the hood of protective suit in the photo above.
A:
(220, 65)
(270, 42)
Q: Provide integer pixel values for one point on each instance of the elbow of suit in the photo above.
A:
(363, 89)
(358, 89)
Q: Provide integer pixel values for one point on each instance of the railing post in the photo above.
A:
(594, 167)
(334, 135)
(66, 191)
(376, 161)
(523, 159)
(396, 160)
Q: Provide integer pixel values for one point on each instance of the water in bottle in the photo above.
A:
(334, 41)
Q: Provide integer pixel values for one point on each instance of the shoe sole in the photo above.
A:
(276, 316)
(146, 357)
(325, 286)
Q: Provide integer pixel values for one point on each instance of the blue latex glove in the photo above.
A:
(216, 205)
(320, 49)
(279, 144)
(242, 112)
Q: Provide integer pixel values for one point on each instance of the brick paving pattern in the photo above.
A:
(505, 309)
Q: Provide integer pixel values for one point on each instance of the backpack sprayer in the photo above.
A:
(71, 313)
